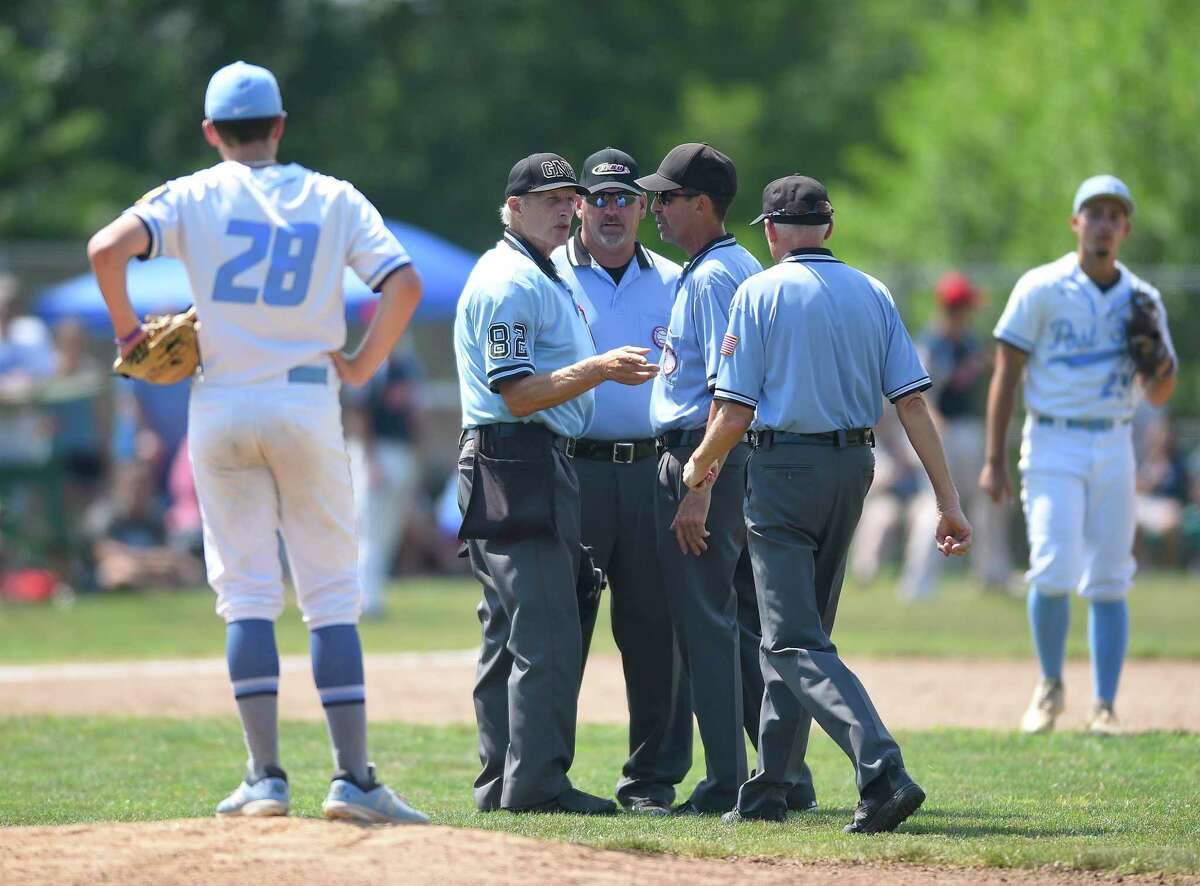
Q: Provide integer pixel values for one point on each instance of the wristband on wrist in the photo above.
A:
(126, 339)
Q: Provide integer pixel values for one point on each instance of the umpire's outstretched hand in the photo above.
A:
(628, 365)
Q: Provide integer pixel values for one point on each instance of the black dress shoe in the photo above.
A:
(735, 816)
(647, 806)
(686, 809)
(801, 801)
(573, 801)
(885, 803)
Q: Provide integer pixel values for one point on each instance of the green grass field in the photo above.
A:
(994, 800)
(431, 614)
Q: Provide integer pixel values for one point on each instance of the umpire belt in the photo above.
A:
(1081, 424)
(673, 439)
(840, 439)
(621, 452)
(521, 432)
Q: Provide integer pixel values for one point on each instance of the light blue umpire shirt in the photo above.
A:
(634, 311)
(812, 345)
(516, 317)
(683, 388)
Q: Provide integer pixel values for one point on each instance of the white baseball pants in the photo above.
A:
(271, 457)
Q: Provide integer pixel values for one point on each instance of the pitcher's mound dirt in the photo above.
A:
(304, 852)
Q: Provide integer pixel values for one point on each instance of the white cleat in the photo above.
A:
(1103, 721)
(1044, 707)
(378, 804)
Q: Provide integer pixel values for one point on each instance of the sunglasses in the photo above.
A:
(604, 198)
(665, 197)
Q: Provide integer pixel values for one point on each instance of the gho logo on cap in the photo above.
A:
(557, 169)
(541, 172)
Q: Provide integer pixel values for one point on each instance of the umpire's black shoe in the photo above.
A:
(573, 801)
(735, 816)
(800, 800)
(649, 806)
(885, 803)
(687, 809)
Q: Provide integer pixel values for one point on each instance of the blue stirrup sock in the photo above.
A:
(337, 665)
(1108, 636)
(1049, 618)
(254, 671)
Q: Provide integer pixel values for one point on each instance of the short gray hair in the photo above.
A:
(506, 216)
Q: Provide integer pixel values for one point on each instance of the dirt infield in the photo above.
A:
(435, 688)
(300, 852)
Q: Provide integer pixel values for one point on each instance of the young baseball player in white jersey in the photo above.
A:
(1064, 332)
(266, 245)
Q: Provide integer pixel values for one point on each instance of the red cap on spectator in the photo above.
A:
(954, 290)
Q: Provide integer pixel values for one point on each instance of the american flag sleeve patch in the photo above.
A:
(728, 343)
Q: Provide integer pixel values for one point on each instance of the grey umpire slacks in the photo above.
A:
(803, 502)
(531, 657)
(713, 603)
(618, 525)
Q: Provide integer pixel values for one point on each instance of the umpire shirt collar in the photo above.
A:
(810, 253)
(579, 257)
(715, 243)
(520, 244)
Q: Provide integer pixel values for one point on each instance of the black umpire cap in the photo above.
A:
(796, 200)
(610, 169)
(541, 172)
(696, 166)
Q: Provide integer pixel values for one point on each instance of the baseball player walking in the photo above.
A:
(1066, 332)
(811, 345)
(701, 533)
(265, 245)
(626, 292)
(526, 369)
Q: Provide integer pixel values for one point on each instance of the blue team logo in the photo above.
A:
(659, 336)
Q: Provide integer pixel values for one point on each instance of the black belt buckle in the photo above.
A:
(623, 453)
(569, 447)
(868, 437)
(752, 438)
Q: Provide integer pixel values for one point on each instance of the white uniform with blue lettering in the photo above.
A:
(1077, 458)
(266, 248)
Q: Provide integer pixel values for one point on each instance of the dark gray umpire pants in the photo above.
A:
(803, 502)
(713, 603)
(618, 526)
(531, 657)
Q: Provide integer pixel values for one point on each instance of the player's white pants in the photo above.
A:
(963, 439)
(1078, 494)
(384, 493)
(270, 457)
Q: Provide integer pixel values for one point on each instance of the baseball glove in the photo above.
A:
(167, 352)
(1143, 334)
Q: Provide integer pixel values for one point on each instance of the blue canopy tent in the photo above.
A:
(161, 286)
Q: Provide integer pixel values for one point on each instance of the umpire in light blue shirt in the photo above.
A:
(526, 369)
(626, 292)
(709, 581)
(813, 346)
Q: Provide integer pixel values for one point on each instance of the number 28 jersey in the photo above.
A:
(1079, 364)
(266, 250)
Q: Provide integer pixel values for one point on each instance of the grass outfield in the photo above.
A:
(430, 614)
(994, 800)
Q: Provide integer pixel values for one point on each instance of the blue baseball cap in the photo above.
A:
(242, 92)
(1103, 186)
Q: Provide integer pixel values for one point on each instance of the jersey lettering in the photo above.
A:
(499, 341)
(290, 269)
